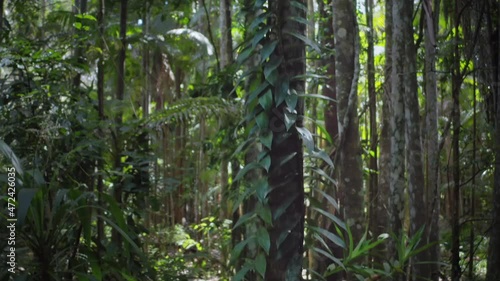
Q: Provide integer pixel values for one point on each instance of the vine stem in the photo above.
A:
(209, 27)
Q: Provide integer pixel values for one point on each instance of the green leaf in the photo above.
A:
(292, 99)
(260, 264)
(25, 196)
(240, 275)
(245, 170)
(321, 154)
(332, 217)
(266, 138)
(257, 21)
(266, 100)
(271, 66)
(282, 91)
(266, 163)
(307, 138)
(7, 151)
(261, 189)
(326, 195)
(243, 55)
(290, 119)
(263, 239)
(238, 248)
(255, 92)
(267, 50)
(272, 77)
(306, 40)
(243, 219)
(330, 256)
(259, 35)
(262, 120)
(265, 214)
(331, 236)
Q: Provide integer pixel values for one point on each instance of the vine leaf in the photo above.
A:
(262, 120)
(266, 162)
(290, 119)
(307, 138)
(260, 264)
(266, 100)
(266, 138)
(235, 253)
(267, 50)
(259, 35)
(306, 40)
(245, 170)
(263, 239)
(246, 217)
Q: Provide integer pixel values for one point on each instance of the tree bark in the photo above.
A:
(493, 269)
(416, 180)
(284, 261)
(432, 164)
(380, 200)
(350, 176)
(397, 179)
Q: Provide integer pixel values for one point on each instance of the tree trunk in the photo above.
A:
(373, 221)
(380, 219)
(493, 270)
(82, 9)
(329, 89)
(456, 271)
(397, 179)
(286, 182)
(416, 180)
(100, 97)
(350, 176)
(432, 172)
(120, 89)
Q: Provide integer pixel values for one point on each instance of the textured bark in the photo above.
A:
(373, 221)
(100, 97)
(380, 200)
(455, 189)
(493, 270)
(432, 172)
(226, 42)
(329, 89)
(416, 180)
(120, 92)
(397, 180)
(350, 176)
(284, 261)
(81, 9)
(226, 58)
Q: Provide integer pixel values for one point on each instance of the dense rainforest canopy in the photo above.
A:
(250, 140)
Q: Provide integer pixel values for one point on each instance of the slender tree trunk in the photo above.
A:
(397, 179)
(432, 172)
(493, 270)
(350, 176)
(455, 191)
(226, 59)
(226, 44)
(100, 97)
(286, 182)
(416, 180)
(120, 89)
(373, 221)
(82, 9)
(380, 200)
(329, 89)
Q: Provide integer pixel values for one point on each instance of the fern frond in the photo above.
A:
(185, 110)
